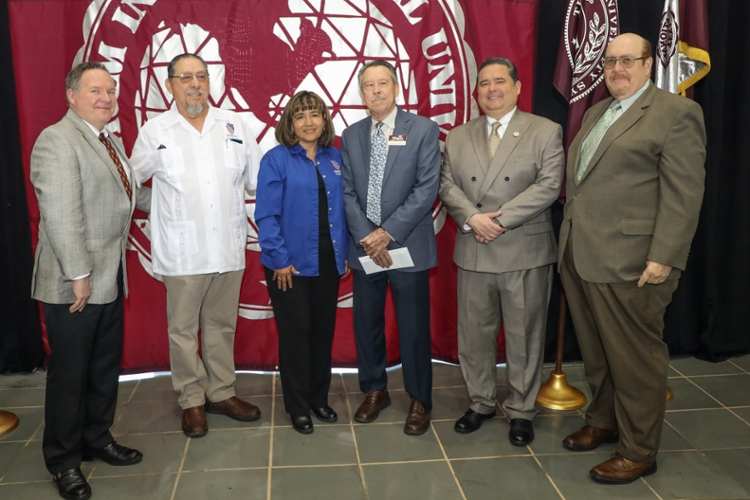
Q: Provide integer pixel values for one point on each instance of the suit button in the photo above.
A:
(507, 178)
(479, 205)
(473, 179)
(577, 193)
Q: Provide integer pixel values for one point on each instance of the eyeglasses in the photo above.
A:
(188, 77)
(625, 61)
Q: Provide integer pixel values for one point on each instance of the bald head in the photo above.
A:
(621, 81)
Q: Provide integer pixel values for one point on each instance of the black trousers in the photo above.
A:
(82, 377)
(306, 319)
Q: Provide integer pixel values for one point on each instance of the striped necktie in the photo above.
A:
(116, 159)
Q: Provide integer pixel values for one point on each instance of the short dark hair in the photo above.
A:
(304, 101)
(512, 70)
(377, 62)
(73, 80)
(176, 59)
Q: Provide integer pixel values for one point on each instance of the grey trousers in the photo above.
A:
(519, 301)
(211, 301)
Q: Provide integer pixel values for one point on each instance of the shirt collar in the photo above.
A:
(94, 130)
(626, 103)
(505, 120)
(388, 121)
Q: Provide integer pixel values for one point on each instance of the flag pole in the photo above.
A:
(556, 393)
(8, 422)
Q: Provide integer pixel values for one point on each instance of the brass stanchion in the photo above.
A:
(556, 394)
(670, 395)
(8, 422)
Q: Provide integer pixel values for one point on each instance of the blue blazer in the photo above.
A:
(410, 187)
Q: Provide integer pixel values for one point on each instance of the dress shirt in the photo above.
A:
(389, 124)
(198, 215)
(286, 208)
(504, 121)
(625, 105)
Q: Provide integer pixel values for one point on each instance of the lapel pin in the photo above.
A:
(516, 134)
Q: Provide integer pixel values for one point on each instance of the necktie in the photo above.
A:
(594, 138)
(378, 156)
(116, 159)
(494, 138)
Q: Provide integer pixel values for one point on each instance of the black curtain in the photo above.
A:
(21, 347)
(710, 313)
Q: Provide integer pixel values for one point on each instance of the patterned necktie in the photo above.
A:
(378, 156)
(594, 138)
(116, 159)
(494, 139)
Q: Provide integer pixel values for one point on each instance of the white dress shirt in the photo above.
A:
(198, 215)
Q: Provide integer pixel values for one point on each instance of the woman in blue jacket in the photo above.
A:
(302, 232)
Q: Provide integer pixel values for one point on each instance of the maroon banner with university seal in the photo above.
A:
(259, 54)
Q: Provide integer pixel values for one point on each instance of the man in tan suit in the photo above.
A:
(635, 186)
(86, 193)
(501, 172)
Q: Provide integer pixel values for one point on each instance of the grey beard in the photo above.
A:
(194, 109)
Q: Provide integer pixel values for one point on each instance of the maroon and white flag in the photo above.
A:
(259, 53)
(682, 52)
(589, 27)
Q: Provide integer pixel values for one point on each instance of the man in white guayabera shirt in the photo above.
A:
(201, 160)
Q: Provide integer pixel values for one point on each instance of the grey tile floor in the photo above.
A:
(705, 452)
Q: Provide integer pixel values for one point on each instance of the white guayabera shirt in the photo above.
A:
(198, 216)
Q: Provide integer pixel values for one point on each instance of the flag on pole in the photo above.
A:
(589, 27)
(682, 51)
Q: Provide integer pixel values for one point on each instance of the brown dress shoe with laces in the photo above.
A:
(588, 438)
(418, 420)
(234, 408)
(370, 408)
(620, 470)
(194, 422)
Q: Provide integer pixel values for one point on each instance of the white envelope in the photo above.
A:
(401, 258)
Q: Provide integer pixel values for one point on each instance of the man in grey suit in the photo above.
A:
(391, 172)
(86, 195)
(635, 186)
(501, 172)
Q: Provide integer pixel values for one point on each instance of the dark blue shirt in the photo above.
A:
(286, 208)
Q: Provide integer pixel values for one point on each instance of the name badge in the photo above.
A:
(397, 140)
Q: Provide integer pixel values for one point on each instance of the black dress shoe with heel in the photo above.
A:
(114, 454)
(471, 421)
(72, 485)
(521, 432)
(302, 424)
(325, 414)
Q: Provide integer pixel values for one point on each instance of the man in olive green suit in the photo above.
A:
(634, 191)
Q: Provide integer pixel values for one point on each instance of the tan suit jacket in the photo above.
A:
(523, 179)
(84, 212)
(641, 194)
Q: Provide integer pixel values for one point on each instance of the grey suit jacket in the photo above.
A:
(642, 192)
(410, 185)
(522, 180)
(84, 212)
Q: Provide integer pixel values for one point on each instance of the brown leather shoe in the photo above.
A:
(588, 438)
(370, 408)
(234, 408)
(418, 420)
(194, 422)
(620, 470)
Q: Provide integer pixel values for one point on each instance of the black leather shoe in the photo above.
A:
(72, 485)
(302, 424)
(325, 414)
(521, 432)
(471, 421)
(114, 454)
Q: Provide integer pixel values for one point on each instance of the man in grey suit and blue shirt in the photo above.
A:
(501, 172)
(86, 195)
(391, 173)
